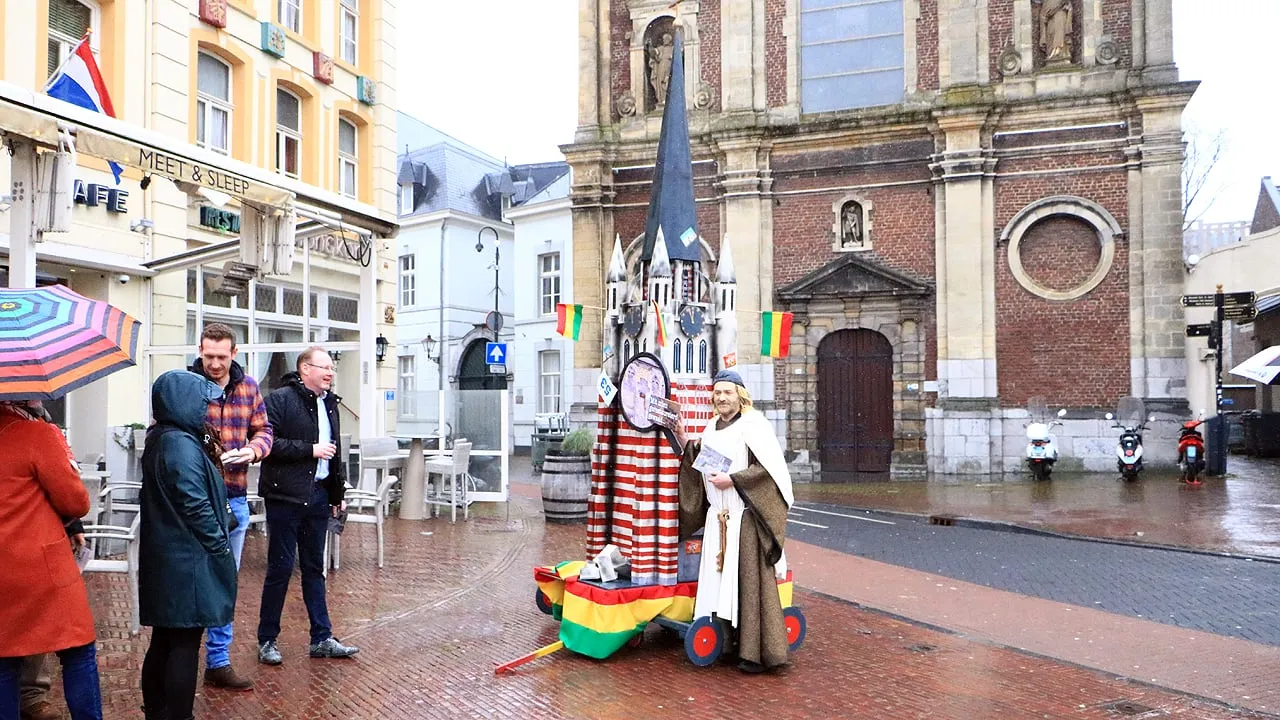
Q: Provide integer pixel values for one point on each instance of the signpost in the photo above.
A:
(1237, 307)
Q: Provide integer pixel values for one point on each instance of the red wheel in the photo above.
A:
(636, 640)
(793, 618)
(703, 642)
(544, 602)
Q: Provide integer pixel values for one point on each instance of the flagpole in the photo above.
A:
(58, 71)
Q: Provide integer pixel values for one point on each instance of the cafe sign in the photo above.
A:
(221, 220)
(94, 195)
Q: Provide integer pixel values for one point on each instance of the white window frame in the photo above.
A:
(407, 384)
(549, 376)
(349, 9)
(66, 44)
(408, 280)
(406, 199)
(549, 287)
(290, 10)
(207, 105)
(284, 134)
(349, 160)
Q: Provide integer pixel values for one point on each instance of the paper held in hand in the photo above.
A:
(664, 412)
(709, 461)
(83, 555)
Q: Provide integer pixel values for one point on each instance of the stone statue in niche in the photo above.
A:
(851, 228)
(1056, 31)
(660, 55)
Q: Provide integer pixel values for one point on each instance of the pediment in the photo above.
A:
(854, 275)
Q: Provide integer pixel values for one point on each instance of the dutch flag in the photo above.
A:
(79, 82)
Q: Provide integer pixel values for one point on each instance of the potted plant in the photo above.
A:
(566, 478)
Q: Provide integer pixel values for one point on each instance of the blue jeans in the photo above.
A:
(218, 640)
(296, 532)
(79, 683)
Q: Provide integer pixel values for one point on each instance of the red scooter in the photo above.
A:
(1191, 450)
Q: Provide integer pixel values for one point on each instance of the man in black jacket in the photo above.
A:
(303, 484)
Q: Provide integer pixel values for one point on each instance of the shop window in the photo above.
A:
(347, 160)
(343, 309)
(213, 103)
(288, 133)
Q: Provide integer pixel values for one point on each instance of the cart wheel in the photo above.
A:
(544, 602)
(703, 641)
(793, 619)
(636, 640)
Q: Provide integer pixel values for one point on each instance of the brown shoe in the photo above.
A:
(41, 710)
(225, 677)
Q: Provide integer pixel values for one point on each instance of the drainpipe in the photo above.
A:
(440, 442)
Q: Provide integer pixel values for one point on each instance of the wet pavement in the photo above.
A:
(884, 641)
(1237, 513)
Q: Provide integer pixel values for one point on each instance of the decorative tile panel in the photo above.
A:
(322, 67)
(214, 12)
(273, 39)
(366, 90)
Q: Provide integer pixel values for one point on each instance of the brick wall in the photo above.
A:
(775, 52)
(709, 39)
(1074, 352)
(1116, 20)
(1060, 252)
(927, 46)
(999, 33)
(619, 51)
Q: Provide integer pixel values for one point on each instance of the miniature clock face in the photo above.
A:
(692, 319)
(633, 319)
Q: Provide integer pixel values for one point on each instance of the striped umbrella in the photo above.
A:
(53, 341)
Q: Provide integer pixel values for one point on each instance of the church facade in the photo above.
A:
(965, 205)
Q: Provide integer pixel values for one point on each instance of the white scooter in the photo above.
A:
(1130, 422)
(1042, 447)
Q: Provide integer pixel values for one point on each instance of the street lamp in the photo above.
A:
(480, 248)
(380, 348)
(429, 346)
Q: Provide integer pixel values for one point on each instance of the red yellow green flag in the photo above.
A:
(661, 326)
(775, 335)
(569, 320)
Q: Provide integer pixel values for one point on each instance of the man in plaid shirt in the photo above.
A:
(241, 420)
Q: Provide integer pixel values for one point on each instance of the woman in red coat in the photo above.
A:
(46, 608)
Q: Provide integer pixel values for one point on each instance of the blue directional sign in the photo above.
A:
(495, 353)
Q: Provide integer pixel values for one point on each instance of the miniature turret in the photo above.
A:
(726, 303)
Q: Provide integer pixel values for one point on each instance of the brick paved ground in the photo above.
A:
(451, 604)
(1236, 514)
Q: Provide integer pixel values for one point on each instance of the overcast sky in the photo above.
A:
(502, 75)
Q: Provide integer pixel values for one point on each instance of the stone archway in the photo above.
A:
(473, 370)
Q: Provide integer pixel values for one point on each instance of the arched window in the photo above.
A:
(213, 103)
(688, 356)
(851, 55)
(675, 357)
(288, 133)
(626, 350)
(702, 356)
(348, 160)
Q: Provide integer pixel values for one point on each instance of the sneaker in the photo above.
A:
(269, 653)
(331, 648)
(41, 710)
(225, 677)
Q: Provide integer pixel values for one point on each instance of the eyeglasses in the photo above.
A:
(322, 368)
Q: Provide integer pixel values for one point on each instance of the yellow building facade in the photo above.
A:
(292, 96)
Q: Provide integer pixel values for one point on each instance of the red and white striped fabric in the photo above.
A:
(643, 472)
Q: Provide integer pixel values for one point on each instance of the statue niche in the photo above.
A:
(1057, 28)
(659, 49)
(852, 236)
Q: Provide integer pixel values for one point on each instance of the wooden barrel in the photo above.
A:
(566, 485)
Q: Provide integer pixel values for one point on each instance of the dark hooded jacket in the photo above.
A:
(186, 573)
(289, 472)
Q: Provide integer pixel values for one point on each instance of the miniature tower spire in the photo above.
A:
(726, 306)
(660, 273)
(617, 277)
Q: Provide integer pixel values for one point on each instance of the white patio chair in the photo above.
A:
(382, 455)
(454, 473)
(363, 507)
(129, 536)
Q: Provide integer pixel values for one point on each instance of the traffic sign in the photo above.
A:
(1211, 299)
(1240, 312)
(1199, 330)
(495, 353)
(493, 321)
(497, 369)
